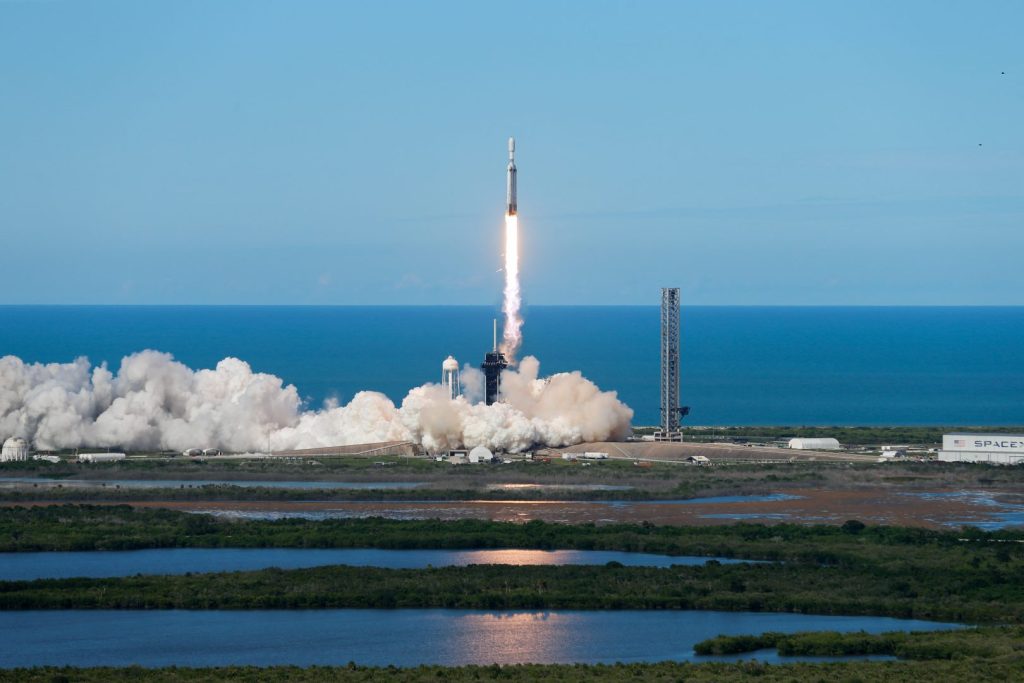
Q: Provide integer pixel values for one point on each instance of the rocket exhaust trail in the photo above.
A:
(512, 336)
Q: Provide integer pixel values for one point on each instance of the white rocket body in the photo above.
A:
(510, 194)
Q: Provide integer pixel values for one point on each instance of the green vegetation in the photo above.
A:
(121, 527)
(220, 492)
(995, 596)
(962, 669)
(987, 643)
(853, 569)
(850, 569)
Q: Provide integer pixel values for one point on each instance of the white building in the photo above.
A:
(996, 449)
(480, 454)
(828, 444)
(15, 448)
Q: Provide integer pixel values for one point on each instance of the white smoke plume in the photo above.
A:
(155, 402)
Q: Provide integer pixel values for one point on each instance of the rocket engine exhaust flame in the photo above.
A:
(512, 335)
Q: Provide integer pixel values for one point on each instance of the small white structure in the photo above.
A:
(569, 456)
(701, 460)
(594, 456)
(995, 449)
(480, 454)
(14, 449)
(192, 452)
(211, 451)
(450, 377)
(804, 444)
(47, 458)
(101, 457)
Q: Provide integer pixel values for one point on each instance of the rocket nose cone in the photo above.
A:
(511, 145)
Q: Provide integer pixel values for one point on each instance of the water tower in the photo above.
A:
(450, 377)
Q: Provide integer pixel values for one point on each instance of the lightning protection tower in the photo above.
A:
(671, 411)
(450, 377)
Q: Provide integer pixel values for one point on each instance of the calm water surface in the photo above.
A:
(381, 637)
(1002, 513)
(740, 365)
(52, 565)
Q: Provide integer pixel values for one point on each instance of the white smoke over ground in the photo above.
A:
(155, 402)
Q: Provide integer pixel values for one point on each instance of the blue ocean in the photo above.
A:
(740, 365)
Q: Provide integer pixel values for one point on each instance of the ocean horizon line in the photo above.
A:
(527, 307)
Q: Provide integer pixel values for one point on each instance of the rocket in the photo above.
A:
(510, 194)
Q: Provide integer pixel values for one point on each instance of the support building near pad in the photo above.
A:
(995, 449)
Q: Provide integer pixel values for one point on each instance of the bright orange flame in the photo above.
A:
(512, 336)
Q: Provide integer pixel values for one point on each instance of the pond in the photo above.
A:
(999, 510)
(382, 637)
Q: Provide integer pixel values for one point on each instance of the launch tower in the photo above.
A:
(671, 411)
(494, 363)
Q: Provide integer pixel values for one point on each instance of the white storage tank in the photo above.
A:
(480, 454)
(14, 449)
(805, 444)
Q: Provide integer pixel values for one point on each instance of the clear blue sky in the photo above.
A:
(353, 153)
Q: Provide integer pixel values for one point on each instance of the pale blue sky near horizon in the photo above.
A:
(256, 152)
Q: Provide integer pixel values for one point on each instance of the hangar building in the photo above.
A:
(996, 449)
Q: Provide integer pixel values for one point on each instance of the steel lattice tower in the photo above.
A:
(669, 361)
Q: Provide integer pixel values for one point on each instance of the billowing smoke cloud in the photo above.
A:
(155, 402)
